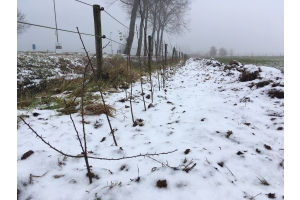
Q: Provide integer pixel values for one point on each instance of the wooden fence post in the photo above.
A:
(165, 65)
(98, 38)
(150, 51)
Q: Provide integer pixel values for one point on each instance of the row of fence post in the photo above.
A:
(176, 55)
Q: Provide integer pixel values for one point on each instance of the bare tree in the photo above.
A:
(222, 52)
(21, 28)
(230, 52)
(168, 16)
(213, 51)
(163, 16)
(131, 27)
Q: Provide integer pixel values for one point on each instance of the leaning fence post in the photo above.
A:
(98, 38)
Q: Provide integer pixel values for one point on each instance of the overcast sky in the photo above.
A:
(244, 26)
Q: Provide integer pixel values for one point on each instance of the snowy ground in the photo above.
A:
(233, 132)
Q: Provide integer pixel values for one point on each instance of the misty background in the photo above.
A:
(248, 27)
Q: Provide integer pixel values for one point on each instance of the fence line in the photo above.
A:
(116, 19)
(84, 3)
(104, 37)
(57, 29)
(106, 13)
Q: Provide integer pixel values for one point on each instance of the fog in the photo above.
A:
(246, 27)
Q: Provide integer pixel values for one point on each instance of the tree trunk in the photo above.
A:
(138, 52)
(154, 20)
(160, 41)
(157, 42)
(131, 27)
(145, 32)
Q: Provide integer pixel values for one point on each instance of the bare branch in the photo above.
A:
(99, 88)
(92, 157)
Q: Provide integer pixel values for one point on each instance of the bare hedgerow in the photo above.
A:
(83, 142)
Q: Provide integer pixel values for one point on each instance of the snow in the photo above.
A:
(197, 109)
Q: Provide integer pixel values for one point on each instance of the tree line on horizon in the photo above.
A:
(156, 18)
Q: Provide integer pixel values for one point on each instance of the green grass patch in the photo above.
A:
(270, 61)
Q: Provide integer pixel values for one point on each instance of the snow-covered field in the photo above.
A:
(228, 136)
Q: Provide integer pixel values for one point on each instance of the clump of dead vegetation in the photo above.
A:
(98, 109)
(248, 76)
(276, 93)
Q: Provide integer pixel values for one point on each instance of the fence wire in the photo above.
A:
(72, 32)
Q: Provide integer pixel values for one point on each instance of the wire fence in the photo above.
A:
(93, 35)
(103, 37)
(69, 31)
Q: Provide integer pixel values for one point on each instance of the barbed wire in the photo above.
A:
(104, 37)
(84, 3)
(57, 29)
(106, 13)
(115, 19)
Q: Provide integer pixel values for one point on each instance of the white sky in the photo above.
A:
(247, 27)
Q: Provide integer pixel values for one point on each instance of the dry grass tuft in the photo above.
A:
(248, 76)
(98, 109)
(69, 107)
(263, 181)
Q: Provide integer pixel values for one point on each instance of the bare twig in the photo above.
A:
(230, 172)
(83, 127)
(106, 45)
(35, 176)
(74, 127)
(250, 197)
(95, 79)
(163, 165)
(189, 169)
(130, 79)
(92, 157)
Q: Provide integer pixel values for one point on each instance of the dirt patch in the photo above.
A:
(276, 93)
(262, 84)
(92, 175)
(271, 195)
(248, 76)
(27, 154)
(277, 84)
(161, 183)
(221, 164)
(267, 147)
(187, 151)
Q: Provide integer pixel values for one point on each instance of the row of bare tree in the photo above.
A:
(156, 17)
